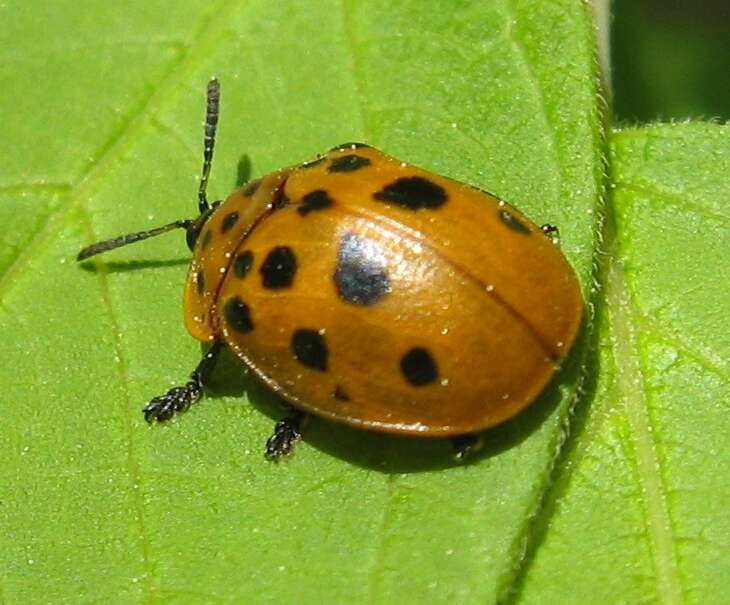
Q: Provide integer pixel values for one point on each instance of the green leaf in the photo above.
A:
(642, 491)
(105, 139)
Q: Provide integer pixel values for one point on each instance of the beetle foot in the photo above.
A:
(466, 445)
(551, 231)
(286, 434)
(177, 399)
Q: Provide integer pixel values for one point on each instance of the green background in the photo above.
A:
(670, 59)
(612, 487)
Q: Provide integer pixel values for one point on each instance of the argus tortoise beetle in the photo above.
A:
(371, 292)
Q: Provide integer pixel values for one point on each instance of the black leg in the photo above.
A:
(286, 433)
(466, 445)
(550, 231)
(181, 398)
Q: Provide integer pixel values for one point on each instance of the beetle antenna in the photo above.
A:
(130, 238)
(211, 122)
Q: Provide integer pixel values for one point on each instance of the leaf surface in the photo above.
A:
(641, 495)
(97, 505)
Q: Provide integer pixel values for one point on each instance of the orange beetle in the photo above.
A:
(371, 292)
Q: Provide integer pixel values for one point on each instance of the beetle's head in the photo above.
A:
(193, 229)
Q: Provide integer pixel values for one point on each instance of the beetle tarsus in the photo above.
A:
(179, 399)
(286, 434)
(465, 446)
(551, 231)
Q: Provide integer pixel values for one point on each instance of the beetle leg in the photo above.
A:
(286, 433)
(551, 231)
(178, 399)
(466, 445)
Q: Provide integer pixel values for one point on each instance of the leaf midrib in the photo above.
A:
(631, 386)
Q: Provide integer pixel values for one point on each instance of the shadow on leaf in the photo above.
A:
(243, 172)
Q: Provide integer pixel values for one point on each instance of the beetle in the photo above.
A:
(368, 291)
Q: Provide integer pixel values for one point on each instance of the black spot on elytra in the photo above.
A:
(418, 367)
(310, 349)
(279, 267)
(238, 315)
(360, 276)
(242, 263)
(348, 163)
(251, 188)
(200, 282)
(229, 220)
(340, 393)
(513, 222)
(414, 193)
(207, 238)
(313, 163)
(314, 200)
(345, 146)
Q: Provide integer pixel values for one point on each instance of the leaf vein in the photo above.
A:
(537, 87)
(709, 360)
(676, 200)
(631, 388)
(351, 49)
(40, 186)
(133, 467)
(381, 546)
(113, 150)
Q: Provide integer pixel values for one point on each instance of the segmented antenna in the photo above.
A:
(130, 238)
(211, 122)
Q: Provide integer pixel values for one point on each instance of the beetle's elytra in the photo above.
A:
(371, 292)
